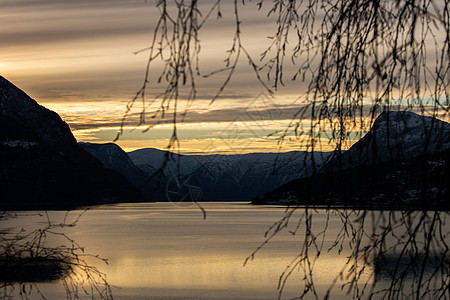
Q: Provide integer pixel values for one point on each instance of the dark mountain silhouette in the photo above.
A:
(41, 164)
(403, 161)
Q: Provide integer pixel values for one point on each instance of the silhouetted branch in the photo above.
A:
(26, 259)
(359, 58)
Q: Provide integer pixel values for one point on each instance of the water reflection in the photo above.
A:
(405, 252)
(392, 267)
(159, 251)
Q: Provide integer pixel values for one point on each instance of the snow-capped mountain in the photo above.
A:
(394, 136)
(226, 177)
(404, 160)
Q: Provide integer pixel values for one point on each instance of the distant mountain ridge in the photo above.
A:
(41, 164)
(237, 177)
(219, 177)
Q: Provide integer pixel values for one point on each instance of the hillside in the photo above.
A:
(41, 164)
(403, 161)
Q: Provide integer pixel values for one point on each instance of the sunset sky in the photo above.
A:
(78, 59)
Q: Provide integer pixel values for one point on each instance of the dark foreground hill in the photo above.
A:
(402, 162)
(41, 164)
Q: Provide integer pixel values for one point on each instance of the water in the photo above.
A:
(164, 251)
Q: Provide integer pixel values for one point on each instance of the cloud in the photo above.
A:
(228, 114)
(37, 24)
(83, 50)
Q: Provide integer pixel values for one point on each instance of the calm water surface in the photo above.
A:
(164, 251)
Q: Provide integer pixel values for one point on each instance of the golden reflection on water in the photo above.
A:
(161, 250)
(215, 271)
(163, 246)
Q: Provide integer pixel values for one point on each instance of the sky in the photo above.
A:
(86, 60)
(79, 59)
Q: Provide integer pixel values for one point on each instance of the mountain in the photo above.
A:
(114, 158)
(395, 136)
(222, 177)
(41, 164)
(403, 161)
